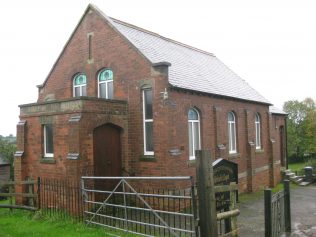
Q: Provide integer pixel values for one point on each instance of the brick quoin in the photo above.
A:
(75, 119)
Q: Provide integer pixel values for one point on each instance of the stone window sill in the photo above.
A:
(259, 151)
(234, 155)
(46, 160)
(148, 158)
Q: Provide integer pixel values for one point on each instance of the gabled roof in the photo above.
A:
(191, 68)
(275, 110)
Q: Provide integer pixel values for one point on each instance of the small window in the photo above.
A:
(105, 84)
(258, 131)
(48, 140)
(194, 132)
(80, 85)
(148, 122)
(232, 143)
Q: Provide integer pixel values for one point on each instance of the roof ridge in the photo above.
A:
(160, 36)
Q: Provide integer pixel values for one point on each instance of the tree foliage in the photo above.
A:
(7, 150)
(301, 127)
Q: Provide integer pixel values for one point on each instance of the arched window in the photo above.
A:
(232, 132)
(80, 85)
(258, 131)
(194, 132)
(148, 121)
(105, 84)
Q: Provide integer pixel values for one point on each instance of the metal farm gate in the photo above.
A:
(141, 205)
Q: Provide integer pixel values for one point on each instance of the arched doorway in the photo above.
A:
(107, 150)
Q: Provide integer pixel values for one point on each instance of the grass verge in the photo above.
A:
(20, 223)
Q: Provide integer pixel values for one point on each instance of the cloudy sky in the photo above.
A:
(269, 43)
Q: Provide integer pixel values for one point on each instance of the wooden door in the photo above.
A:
(107, 153)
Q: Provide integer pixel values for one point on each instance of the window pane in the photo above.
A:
(196, 136)
(110, 90)
(148, 104)
(49, 143)
(258, 142)
(77, 91)
(231, 117)
(102, 88)
(193, 115)
(84, 91)
(80, 79)
(233, 138)
(106, 75)
(149, 136)
(257, 118)
(190, 140)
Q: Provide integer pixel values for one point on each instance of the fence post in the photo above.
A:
(206, 194)
(11, 190)
(39, 192)
(233, 220)
(268, 212)
(287, 206)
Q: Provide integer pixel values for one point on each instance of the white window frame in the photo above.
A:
(232, 146)
(78, 86)
(193, 122)
(258, 131)
(46, 154)
(106, 85)
(149, 153)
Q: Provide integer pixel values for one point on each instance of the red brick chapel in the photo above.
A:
(121, 100)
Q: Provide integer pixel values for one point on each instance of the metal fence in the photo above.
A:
(62, 198)
(140, 205)
(277, 211)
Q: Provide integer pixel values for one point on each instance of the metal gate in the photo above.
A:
(277, 211)
(141, 205)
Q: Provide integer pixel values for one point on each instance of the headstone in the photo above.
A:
(308, 173)
(225, 172)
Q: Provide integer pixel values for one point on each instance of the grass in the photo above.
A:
(20, 223)
(297, 166)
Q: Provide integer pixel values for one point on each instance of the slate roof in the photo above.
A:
(275, 110)
(191, 68)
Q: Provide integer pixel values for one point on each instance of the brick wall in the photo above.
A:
(131, 73)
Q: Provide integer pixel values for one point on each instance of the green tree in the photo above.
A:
(7, 150)
(301, 127)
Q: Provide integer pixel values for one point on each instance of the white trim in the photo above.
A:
(232, 147)
(258, 131)
(78, 86)
(106, 85)
(194, 121)
(45, 143)
(144, 126)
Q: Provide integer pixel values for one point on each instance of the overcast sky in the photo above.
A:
(269, 43)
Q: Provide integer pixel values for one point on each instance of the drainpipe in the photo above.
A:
(286, 149)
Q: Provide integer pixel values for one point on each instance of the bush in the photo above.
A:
(295, 159)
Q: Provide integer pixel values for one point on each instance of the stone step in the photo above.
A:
(304, 183)
(291, 175)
